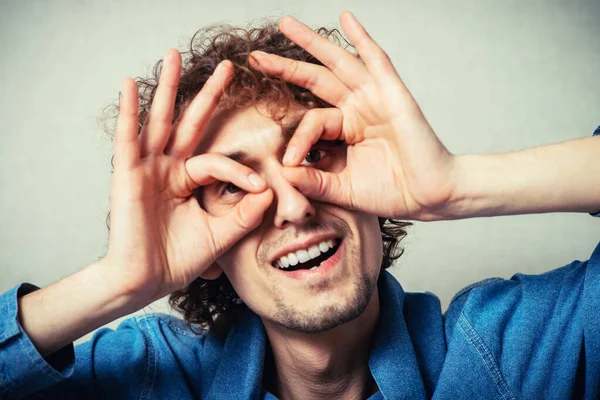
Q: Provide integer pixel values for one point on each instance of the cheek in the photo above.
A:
(239, 262)
(235, 256)
(372, 243)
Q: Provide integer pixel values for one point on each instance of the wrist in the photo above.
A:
(470, 196)
(81, 302)
(453, 197)
(132, 294)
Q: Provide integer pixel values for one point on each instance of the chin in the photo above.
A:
(329, 313)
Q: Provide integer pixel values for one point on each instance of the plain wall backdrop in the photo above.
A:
(491, 76)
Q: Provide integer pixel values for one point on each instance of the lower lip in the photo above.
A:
(321, 270)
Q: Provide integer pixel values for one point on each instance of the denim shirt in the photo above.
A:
(530, 337)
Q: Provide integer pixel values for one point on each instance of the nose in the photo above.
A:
(292, 207)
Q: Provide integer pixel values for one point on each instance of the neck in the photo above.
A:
(332, 364)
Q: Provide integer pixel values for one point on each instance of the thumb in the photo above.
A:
(321, 186)
(242, 219)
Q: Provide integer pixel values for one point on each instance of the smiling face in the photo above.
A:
(333, 255)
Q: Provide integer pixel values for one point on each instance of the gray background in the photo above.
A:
(491, 76)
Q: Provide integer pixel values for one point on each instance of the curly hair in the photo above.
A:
(211, 304)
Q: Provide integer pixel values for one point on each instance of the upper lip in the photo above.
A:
(305, 244)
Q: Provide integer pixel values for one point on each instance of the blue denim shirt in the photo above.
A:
(530, 337)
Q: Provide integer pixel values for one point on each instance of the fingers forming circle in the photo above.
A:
(211, 167)
(240, 220)
(317, 124)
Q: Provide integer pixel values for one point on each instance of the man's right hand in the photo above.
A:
(160, 237)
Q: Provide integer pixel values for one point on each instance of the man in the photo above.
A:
(288, 197)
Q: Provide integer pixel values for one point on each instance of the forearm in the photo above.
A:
(66, 310)
(561, 177)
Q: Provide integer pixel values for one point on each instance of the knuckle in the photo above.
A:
(383, 57)
(321, 183)
(311, 117)
(312, 82)
(127, 112)
(242, 218)
(290, 70)
(219, 168)
(161, 125)
(210, 159)
(203, 164)
(209, 91)
(216, 244)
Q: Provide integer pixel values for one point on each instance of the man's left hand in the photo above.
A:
(396, 166)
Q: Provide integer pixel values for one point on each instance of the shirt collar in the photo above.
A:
(239, 374)
(392, 361)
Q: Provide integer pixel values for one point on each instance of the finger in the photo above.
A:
(188, 132)
(208, 168)
(321, 186)
(374, 56)
(127, 145)
(243, 218)
(157, 127)
(317, 124)
(316, 78)
(345, 65)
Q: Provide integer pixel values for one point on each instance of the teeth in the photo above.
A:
(314, 252)
(302, 256)
(305, 255)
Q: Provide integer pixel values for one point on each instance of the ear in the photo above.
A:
(212, 272)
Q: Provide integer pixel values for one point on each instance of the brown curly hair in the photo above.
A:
(210, 304)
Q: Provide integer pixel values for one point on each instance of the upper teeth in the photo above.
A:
(304, 255)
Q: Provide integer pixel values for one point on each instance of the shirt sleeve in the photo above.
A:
(538, 336)
(113, 364)
(596, 133)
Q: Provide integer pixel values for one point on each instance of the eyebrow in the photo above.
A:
(287, 131)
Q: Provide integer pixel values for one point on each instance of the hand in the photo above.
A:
(160, 238)
(396, 166)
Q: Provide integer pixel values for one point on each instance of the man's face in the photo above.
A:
(344, 247)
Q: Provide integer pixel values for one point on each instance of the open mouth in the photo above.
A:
(308, 258)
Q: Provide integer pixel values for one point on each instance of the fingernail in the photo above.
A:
(256, 180)
(289, 155)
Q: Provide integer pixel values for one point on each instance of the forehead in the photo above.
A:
(250, 130)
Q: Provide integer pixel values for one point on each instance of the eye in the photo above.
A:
(230, 188)
(314, 156)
